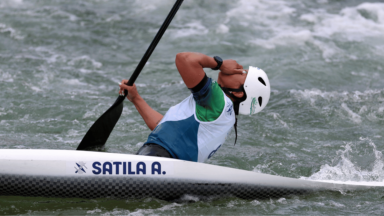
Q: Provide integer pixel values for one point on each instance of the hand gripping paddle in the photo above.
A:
(97, 135)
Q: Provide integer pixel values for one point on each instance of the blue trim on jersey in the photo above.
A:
(179, 138)
(203, 96)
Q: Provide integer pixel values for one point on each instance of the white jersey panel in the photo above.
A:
(180, 111)
(211, 135)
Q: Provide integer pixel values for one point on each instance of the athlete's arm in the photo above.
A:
(150, 116)
(190, 66)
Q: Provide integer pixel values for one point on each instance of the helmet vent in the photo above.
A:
(262, 81)
(260, 100)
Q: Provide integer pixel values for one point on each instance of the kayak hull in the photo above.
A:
(85, 174)
(118, 187)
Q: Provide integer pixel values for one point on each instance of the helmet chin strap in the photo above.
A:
(236, 102)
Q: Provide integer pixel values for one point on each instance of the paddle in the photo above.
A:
(98, 134)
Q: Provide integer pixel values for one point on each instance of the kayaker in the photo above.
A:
(195, 129)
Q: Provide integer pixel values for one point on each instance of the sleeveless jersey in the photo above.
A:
(186, 137)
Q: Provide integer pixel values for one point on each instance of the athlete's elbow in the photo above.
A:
(183, 57)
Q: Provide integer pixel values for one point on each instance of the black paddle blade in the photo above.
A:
(98, 134)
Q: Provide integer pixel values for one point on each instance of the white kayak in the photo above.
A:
(86, 174)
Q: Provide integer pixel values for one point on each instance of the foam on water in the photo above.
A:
(10, 3)
(278, 119)
(357, 106)
(194, 28)
(62, 14)
(85, 62)
(354, 23)
(11, 31)
(147, 6)
(74, 82)
(164, 208)
(358, 163)
(54, 13)
(6, 77)
(356, 96)
(267, 12)
(49, 55)
(291, 38)
(3, 112)
(94, 112)
(276, 19)
(222, 29)
(354, 116)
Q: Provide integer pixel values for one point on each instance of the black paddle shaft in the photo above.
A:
(154, 43)
(99, 132)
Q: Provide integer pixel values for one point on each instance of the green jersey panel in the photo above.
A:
(214, 104)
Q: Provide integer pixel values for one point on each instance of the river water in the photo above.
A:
(61, 60)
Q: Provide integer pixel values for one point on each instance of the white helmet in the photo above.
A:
(258, 91)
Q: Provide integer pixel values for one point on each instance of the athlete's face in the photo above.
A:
(233, 81)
